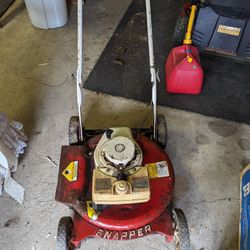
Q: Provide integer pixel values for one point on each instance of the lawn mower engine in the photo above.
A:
(119, 177)
(120, 185)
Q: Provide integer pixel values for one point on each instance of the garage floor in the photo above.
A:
(37, 89)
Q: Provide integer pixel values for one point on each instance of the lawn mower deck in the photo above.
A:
(134, 218)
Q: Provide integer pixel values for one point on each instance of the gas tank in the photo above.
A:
(184, 74)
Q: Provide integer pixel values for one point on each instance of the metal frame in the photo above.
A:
(152, 63)
(79, 78)
(79, 75)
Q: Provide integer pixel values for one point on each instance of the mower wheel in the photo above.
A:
(180, 30)
(161, 130)
(74, 126)
(64, 232)
(181, 232)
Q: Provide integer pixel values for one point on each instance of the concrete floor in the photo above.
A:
(36, 88)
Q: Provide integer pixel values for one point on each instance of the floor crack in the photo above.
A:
(212, 201)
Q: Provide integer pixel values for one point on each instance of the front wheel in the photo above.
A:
(181, 232)
(64, 232)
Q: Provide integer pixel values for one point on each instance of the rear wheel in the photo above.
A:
(181, 232)
(161, 130)
(64, 232)
(74, 130)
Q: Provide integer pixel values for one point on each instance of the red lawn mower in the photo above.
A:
(119, 181)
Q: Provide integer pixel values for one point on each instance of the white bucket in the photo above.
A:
(47, 14)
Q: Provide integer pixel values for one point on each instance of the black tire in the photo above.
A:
(181, 232)
(161, 130)
(64, 232)
(180, 30)
(74, 133)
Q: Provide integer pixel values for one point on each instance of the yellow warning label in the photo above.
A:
(70, 172)
(234, 31)
(158, 169)
(152, 170)
(91, 211)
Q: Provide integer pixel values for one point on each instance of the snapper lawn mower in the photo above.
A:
(118, 181)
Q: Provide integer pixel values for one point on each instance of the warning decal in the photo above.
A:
(158, 169)
(71, 171)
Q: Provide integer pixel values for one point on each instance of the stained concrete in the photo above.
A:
(36, 88)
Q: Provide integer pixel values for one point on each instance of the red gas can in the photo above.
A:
(184, 74)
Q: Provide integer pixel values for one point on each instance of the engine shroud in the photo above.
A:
(118, 154)
(119, 177)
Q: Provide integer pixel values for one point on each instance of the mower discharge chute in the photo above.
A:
(119, 181)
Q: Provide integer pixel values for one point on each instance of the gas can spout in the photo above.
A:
(188, 36)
